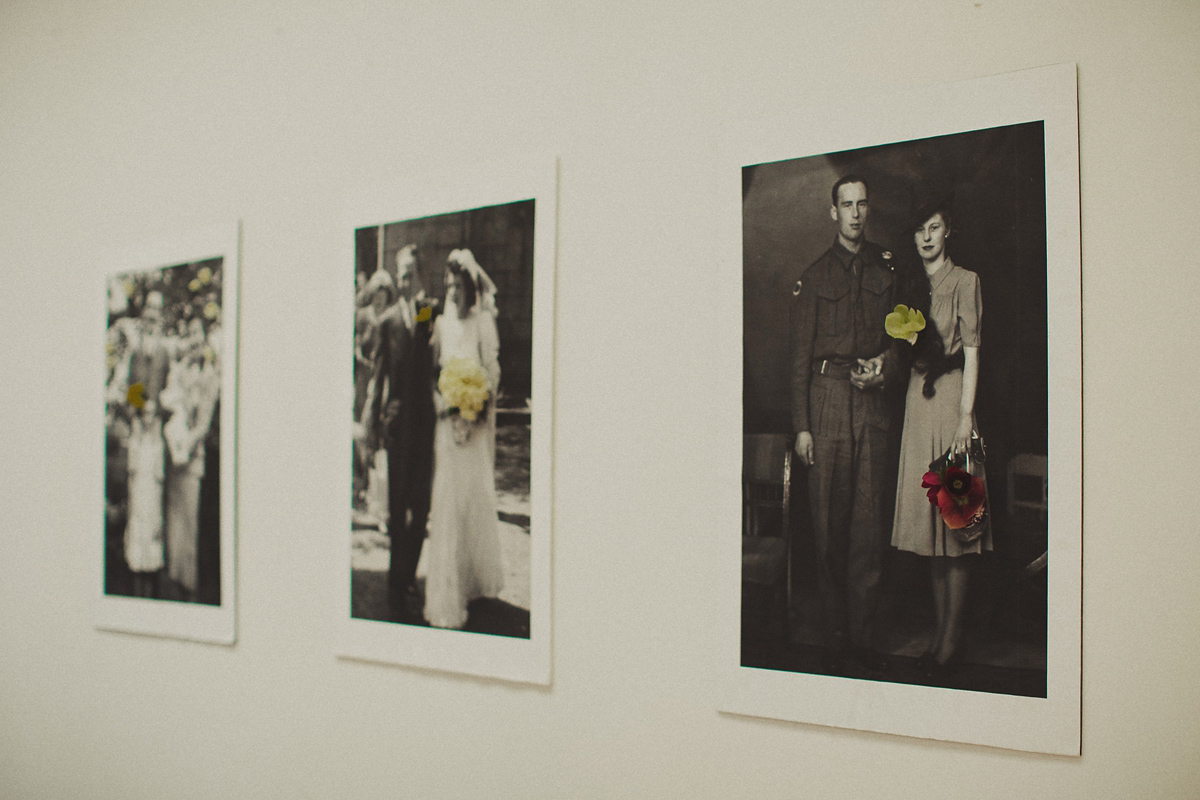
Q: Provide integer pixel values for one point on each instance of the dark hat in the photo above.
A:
(929, 202)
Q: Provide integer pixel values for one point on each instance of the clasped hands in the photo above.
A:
(868, 374)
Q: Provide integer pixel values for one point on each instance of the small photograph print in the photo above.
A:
(442, 420)
(162, 489)
(895, 421)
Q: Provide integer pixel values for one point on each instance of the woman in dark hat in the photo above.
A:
(939, 416)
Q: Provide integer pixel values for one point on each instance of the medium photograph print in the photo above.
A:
(168, 368)
(442, 404)
(911, 463)
(448, 548)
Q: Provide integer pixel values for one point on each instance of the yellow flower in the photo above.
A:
(129, 287)
(211, 309)
(112, 361)
(204, 275)
(904, 323)
(424, 314)
(134, 395)
(464, 386)
(194, 285)
(210, 355)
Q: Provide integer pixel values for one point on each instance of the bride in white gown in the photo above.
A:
(464, 540)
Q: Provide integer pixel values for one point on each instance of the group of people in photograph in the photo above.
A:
(845, 366)
(426, 379)
(163, 392)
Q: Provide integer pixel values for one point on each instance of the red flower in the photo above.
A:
(959, 495)
(957, 481)
(933, 482)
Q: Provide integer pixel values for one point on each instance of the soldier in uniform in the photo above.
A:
(842, 358)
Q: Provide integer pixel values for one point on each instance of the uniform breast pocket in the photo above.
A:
(833, 314)
(876, 296)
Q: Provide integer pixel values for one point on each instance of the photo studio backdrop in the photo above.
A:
(130, 121)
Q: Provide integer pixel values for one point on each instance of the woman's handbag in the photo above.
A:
(972, 462)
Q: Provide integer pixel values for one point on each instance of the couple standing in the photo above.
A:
(843, 363)
(441, 467)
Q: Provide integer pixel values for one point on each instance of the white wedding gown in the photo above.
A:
(463, 550)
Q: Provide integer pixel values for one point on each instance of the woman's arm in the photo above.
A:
(966, 406)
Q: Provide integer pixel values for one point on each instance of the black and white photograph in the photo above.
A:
(897, 519)
(442, 368)
(449, 423)
(170, 365)
(884, 584)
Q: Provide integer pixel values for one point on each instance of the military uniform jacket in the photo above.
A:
(840, 303)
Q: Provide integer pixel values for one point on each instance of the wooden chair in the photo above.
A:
(766, 486)
(1028, 466)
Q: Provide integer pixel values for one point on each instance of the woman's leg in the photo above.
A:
(937, 573)
(957, 574)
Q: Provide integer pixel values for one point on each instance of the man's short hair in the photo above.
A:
(845, 179)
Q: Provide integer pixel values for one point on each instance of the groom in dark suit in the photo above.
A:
(405, 416)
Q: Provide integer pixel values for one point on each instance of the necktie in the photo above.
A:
(855, 299)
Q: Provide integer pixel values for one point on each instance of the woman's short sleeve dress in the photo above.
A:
(956, 308)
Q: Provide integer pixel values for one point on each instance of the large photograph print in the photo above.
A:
(169, 360)
(448, 544)
(884, 585)
(910, 439)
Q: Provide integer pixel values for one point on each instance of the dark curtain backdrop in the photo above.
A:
(997, 177)
(501, 237)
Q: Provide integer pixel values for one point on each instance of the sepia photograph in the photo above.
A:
(446, 556)
(874, 580)
(910, 471)
(170, 378)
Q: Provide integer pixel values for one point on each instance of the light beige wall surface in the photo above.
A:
(121, 121)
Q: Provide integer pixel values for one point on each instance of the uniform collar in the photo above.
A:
(845, 257)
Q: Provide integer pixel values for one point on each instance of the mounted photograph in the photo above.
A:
(892, 254)
(169, 398)
(911, 453)
(449, 426)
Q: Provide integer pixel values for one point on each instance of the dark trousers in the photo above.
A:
(848, 497)
(408, 511)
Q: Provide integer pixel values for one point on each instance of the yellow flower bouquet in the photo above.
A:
(464, 387)
(904, 323)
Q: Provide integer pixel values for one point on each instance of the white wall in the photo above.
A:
(123, 120)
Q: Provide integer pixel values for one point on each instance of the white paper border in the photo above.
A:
(1050, 724)
(195, 621)
(422, 192)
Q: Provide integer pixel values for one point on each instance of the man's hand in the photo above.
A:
(804, 447)
(869, 374)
